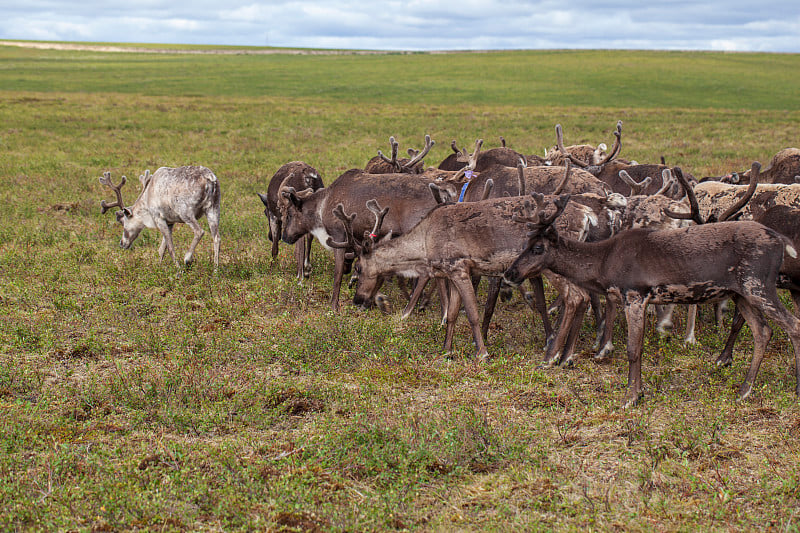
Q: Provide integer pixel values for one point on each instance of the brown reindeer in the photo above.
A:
(301, 177)
(414, 164)
(168, 197)
(453, 241)
(408, 195)
(689, 265)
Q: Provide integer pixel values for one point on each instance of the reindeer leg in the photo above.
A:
(198, 234)
(307, 256)
(606, 345)
(412, 302)
(574, 331)
(691, 321)
(635, 309)
(491, 302)
(442, 285)
(465, 289)
(213, 226)
(274, 233)
(338, 272)
(453, 307)
(300, 257)
(726, 357)
(775, 311)
(166, 233)
(664, 318)
(761, 335)
(540, 305)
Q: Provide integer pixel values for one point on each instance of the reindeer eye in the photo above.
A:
(537, 249)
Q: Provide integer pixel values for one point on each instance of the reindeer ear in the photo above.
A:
(127, 212)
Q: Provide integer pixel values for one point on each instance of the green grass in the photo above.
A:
(136, 397)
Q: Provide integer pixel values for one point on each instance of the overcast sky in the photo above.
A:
(414, 25)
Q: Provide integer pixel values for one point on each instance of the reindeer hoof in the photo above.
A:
(567, 363)
(744, 391)
(631, 401)
(724, 360)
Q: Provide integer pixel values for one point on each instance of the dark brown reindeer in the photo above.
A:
(689, 265)
(502, 156)
(168, 197)
(454, 241)
(414, 164)
(786, 221)
(409, 196)
(301, 177)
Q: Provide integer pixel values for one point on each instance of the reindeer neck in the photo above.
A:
(404, 254)
(579, 262)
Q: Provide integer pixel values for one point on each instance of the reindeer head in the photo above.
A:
(367, 269)
(541, 239)
(290, 208)
(131, 225)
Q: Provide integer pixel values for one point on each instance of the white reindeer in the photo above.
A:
(168, 197)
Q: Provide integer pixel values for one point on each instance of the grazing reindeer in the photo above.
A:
(168, 197)
(302, 177)
(688, 265)
(409, 196)
(454, 241)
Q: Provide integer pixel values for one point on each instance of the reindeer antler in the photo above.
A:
(563, 183)
(106, 180)
(521, 173)
(454, 147)
(420, 155)
(617, 145)
(666, 181)
(380, 214)
(536, 221)
(472, 159)
(393, 161)
(560, 144)
(347, 222)
(694, 213)
(755, 169)
(636, 186)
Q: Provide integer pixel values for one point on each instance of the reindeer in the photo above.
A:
(409, 196)
(582, 155)
(300, 176)
(168, 197)
(453, 241)
(688, 265)
(501, 156)
(784, 167)
(380, 164)
(622, 177)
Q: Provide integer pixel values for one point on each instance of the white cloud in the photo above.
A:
(415, 24)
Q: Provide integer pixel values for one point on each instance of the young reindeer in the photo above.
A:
(168, 197)
(689, 265)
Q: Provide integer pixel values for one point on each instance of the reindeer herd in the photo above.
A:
(603, 231)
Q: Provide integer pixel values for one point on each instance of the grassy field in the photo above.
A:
(136, 397)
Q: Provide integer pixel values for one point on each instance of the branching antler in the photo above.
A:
(420, 155)
(617, 145)
(472, 159)
(393, 161)
(380, 214)
(694, 208)
(694, 214)
(106, 180)
(560, 186)
(637, 187)
(560, 144)
(347, 222)
(755, 169)
(667, 181)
